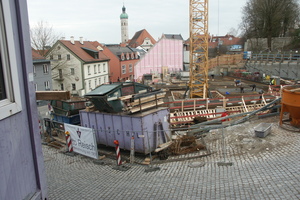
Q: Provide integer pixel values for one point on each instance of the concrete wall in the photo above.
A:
(285, 70)
(260, 44)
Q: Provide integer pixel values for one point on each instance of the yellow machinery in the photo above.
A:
(198, 48)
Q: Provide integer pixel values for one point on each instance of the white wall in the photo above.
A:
(93, 77)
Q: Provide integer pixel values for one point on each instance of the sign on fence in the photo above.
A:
(83, 140)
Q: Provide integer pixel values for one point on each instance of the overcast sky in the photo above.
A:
(100, 19)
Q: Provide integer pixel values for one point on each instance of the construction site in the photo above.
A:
(172, 125)
(229, 121)
(173, 114)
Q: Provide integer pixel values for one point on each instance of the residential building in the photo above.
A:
(166, 56)
(217, 45)
(142, 39)
(78, 66)
(225, 44)
(122, 61)
(22, 168)
(41, 72)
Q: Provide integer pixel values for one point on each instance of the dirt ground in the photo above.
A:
(241, 139)
(226, 86)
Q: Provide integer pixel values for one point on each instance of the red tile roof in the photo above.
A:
(139, 38)
(78, 49)
(36, 55)
(226, 40)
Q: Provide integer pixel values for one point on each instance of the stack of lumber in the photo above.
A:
(136, 103)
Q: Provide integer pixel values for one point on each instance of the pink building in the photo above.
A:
(166, 53)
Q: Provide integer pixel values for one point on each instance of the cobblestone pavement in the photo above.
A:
(263, 168)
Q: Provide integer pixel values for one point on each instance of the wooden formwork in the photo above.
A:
(187, 116)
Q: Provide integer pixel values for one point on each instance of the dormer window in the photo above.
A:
(127, 56)
(122, 56)
(132, 56)
(93, 53)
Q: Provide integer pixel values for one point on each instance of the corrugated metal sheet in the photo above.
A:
(150, 128)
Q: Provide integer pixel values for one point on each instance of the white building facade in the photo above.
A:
(77, 66)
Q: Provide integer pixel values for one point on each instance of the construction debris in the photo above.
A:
(186, 144)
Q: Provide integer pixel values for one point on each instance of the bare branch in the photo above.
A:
(42, 37)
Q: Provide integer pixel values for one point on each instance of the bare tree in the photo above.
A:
(269, 18)
(43, 37)
(233, 31)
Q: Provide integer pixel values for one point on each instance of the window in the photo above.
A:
(51, 57)
(45, 69)
(130, 67)
(99, 68)
(68, 57)
(10, 95)
(100, 81)
(60, 74)
(123, 69)
(35, 87)
(47, 85)
(59, 57)
(2, 84)
(90, 84)
(72, 71)
(95, 69)
(62, 86)
(73, 86)
(89, 70)
(104, 67)
(34, 70)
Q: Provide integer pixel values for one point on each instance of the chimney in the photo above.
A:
(72, 40)
(81, 40)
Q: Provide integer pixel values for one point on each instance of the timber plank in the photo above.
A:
(53, 95)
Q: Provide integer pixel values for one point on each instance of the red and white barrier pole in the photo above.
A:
(69, 142)
(119, 162)
(40, 127)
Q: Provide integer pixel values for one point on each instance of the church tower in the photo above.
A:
(124, 25)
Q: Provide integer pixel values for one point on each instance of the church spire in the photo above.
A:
(124, 25)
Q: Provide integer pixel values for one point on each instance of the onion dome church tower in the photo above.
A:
(124, 25)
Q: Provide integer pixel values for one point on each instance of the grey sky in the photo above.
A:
(100, 20)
